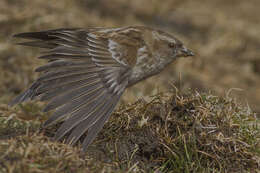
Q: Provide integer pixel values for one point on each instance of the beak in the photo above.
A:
(186, 52)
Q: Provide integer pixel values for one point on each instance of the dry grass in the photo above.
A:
(173, 132)
(224, 36)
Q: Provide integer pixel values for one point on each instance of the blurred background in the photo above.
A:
(224, 34)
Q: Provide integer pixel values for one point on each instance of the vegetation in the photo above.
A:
(173, 132)
(177, 131)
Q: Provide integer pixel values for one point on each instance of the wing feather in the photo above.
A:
(87, 122)
(73, 94)
(83, 80)
(63, 81)
(53, 65)
(68, 72)
(55, 87)
(93, 130)
(87, 110)
(73, 106)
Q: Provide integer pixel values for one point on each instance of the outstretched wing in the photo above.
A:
(83, 80)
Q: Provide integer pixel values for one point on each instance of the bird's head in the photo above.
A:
(168, 47)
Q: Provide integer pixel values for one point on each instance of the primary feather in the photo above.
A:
(81, 82)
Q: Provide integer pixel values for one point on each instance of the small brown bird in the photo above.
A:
(89, 69)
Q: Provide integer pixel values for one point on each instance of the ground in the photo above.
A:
(173, 132)
(225, 36)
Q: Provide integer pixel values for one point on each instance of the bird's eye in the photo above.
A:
(171, 45)
(179, 45)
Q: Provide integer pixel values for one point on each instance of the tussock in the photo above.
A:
(174, 132)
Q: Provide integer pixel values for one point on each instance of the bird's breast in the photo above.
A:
(146, 66)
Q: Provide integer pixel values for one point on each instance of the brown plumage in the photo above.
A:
(89, 69)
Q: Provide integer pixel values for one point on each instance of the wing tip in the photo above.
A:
(42, 35)
(20, 35)
(21, 98)
(47, 123)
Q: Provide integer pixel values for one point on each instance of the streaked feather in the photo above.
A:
(93, 130)
(43, 35)
(51, 93)
(40, 44)
(77, 116)
(62, 56)
(82, 80)
(70, 95)
(68, 72)
(84, 125)
(72, 106)
(63, 64)
(44, 87)
(66, 37)
(69, 79)
(28, 94)
(68, 51)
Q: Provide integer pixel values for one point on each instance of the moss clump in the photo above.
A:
(173, 132)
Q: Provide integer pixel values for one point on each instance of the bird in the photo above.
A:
(88, 69)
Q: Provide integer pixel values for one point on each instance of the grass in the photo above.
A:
(174, 132)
